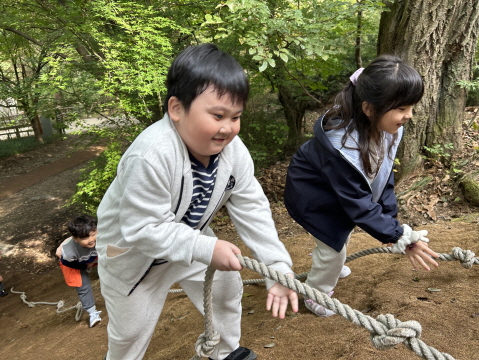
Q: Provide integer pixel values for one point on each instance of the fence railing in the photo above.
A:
(16, 131)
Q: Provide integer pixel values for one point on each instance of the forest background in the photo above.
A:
(67, 60)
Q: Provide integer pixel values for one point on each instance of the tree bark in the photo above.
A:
(357, 50)
(438, 38)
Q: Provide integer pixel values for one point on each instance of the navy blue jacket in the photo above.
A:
(328, 196)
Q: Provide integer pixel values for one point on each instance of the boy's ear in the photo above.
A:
(367, 108)
(175, 108)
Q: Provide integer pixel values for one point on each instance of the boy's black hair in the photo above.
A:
(387, 83)
(81, 226)
(200, 66)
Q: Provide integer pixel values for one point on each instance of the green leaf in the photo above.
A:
(283, 57)
(263, 66)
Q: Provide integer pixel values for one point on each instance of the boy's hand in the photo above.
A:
(224, 256)
(277, 300)
(418, 253)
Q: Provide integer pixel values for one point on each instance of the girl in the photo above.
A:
(343, 177)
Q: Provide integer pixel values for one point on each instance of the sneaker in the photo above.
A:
(318, 310)
(95, 318)
(345, 271)
(241, 353)
(3, 293)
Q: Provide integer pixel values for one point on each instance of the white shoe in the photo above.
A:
(95, 318)
(345, 271)
(318, 310)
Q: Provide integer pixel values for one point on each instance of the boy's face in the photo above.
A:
(210, 124)
(88, 242)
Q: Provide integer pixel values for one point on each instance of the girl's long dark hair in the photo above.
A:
(386, 83)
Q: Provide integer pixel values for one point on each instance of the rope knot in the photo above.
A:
(397, 332)
(204, 347)
(465, 257)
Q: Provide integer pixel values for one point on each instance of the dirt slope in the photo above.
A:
(32, 221)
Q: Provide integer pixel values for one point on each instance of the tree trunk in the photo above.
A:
(357, 49)
(438, 38)
(37, 128)
(294, 111)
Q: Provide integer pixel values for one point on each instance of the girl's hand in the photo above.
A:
(419, 253)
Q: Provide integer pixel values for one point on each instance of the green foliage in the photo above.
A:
(19, 145)
(472, 86)
(97, 176)
(302, 49)
(264, 131)
(125, 47)
(438, 152)
(95, 179)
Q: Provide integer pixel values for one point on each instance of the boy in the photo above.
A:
(77, 255)
(153, 220)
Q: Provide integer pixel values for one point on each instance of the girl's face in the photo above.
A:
(394, 119)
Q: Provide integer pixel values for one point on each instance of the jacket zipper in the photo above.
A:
(214, 212)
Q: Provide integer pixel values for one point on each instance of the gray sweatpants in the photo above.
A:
(326, 267)
(85, 292)
(133, 318)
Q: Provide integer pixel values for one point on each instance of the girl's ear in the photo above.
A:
(367, 108)
(175, 108)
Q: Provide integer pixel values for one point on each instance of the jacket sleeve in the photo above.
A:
(73, 264)
(251, 214)
(388, 199)
(355, 197)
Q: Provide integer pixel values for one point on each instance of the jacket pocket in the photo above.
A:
(126, 264)
(113, 251)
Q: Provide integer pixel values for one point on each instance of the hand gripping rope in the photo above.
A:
(385, 330)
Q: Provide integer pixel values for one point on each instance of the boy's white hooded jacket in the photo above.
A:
(139, 216)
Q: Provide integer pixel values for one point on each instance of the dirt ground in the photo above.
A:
(444, 301)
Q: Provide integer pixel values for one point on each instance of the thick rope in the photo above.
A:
(385, 330)
(60, 304)
(205, 345)
(465, 257)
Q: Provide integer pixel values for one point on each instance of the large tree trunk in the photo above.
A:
(438, 38)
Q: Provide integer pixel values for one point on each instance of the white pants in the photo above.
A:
(133, 318)
(326, 267)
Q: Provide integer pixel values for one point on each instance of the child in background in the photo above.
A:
(77, 256)
(344, 177)
(153, 220)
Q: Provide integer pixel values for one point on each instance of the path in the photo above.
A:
(33, 224)
(20, 182)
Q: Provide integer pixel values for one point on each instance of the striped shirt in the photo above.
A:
(203, 184)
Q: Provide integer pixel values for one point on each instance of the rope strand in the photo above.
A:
(385, 331)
